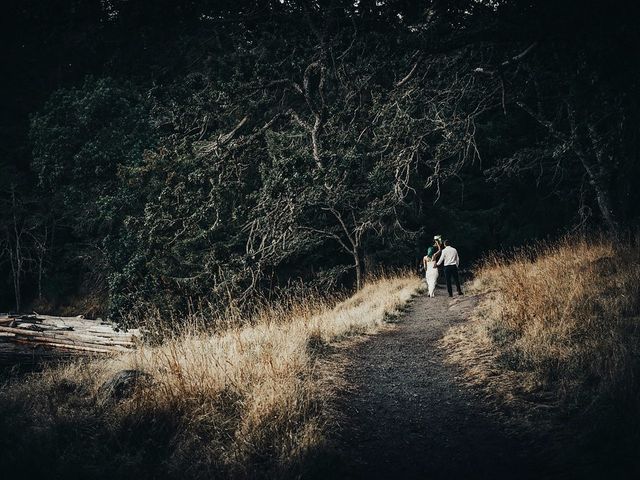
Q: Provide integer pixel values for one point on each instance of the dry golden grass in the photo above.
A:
(243, 402)
(556, 322)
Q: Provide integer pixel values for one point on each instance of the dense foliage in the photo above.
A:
(175, 154)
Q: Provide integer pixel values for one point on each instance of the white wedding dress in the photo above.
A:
(431, 276)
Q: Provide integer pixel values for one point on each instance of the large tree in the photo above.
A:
(218, 149)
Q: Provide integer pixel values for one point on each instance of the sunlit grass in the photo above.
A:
(558, 318)
(250, 400)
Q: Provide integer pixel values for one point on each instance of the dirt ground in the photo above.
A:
(407, 414)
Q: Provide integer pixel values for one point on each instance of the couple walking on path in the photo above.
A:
(437, 256)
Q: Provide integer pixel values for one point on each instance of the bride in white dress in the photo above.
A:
(431, 271)
(431, 275)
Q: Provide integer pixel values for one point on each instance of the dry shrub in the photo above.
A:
(246, 401)
(564, 317)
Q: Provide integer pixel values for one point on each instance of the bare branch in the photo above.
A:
(408, 76)
(506, 63)
(520, 56)
(338, 217)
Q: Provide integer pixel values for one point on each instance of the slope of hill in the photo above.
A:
(250, 400)
(557, 332)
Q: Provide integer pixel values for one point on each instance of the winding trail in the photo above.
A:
(406, 414)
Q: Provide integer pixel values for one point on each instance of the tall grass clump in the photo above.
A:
(568, 314)
(248, 401)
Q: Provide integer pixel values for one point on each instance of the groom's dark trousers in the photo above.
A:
(449, 272)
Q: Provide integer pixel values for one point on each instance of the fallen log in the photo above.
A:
(71, 342)
(45, 337)
(80, 348)
(41, 327)
(73, 338)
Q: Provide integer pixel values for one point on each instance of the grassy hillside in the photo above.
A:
(558, 327)
(251, 400)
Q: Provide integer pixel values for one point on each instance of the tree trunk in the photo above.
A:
(593, 162)
(606, 208)
(601, 191)
(16, 273)
(358, 266)
(40, 260)
(15, 253)
(599, 179)
(603, 197)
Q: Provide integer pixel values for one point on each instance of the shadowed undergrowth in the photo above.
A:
(249, 401)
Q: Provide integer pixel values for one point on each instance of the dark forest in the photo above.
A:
(158, 153)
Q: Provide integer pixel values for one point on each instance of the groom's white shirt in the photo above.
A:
(449, 257)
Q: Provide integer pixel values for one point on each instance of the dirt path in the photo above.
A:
(407, 416)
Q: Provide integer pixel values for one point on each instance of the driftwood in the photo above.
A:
(29, 339)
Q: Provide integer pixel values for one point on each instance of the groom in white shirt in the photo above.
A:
(449, 257)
